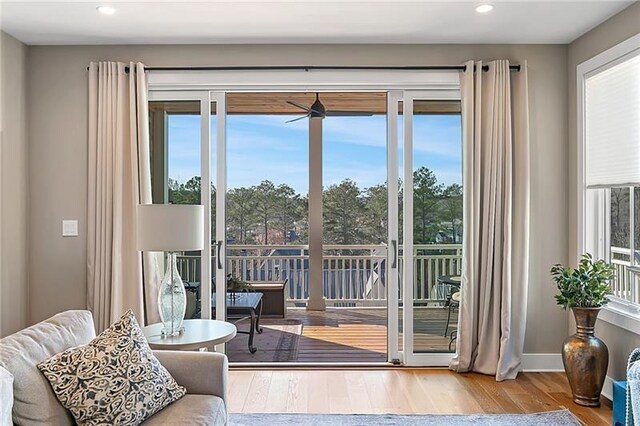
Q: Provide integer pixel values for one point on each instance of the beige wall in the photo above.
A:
(616, 29)
(14, 189)
(58, 80)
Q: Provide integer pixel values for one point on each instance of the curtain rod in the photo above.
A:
(325, 67)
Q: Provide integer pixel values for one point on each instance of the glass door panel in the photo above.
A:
(218, 177)
(432, 225)
(437, 215)
(175, 137)
(187, 138)
(394, 258)
(213, 154)
(399, 204)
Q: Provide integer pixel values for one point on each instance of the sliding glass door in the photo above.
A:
(425, 232)
(424, 199)
(187, 138)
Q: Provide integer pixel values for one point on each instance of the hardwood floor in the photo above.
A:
(359, 335)
(402, 391)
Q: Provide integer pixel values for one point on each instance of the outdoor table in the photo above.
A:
(451, 281)
(241, 306)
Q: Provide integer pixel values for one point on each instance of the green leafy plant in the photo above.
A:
(235, 284)
(586, 286)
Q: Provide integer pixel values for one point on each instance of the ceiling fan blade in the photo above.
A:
(297, 105)
(303, 107)
(296, 119)
(348, 114)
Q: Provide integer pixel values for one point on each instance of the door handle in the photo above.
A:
(218, 255)
(394, 245)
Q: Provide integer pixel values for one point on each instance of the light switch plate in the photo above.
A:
(69, 228)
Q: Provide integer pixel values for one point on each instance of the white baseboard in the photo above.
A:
(607, 389)
(542, 362)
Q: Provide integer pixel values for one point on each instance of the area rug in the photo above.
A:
(277, 343)
(550, 418)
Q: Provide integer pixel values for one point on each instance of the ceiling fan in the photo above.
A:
(317, 110)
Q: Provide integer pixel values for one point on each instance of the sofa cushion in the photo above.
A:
(114, 379)
(193, 410)
(34, 401)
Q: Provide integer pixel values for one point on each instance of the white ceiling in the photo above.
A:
(302, 21)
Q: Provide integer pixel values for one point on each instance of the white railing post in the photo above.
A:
(357, 278)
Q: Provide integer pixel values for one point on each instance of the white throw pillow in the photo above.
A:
(114, 379)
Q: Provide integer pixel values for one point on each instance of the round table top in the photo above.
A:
(450, 279)
(198, 333)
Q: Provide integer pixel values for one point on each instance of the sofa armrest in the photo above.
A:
(203, 373)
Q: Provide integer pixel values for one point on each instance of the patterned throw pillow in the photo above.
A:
(114, 379)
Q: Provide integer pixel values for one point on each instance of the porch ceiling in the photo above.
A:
(275, 103)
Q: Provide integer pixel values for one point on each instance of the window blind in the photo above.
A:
(612, 125)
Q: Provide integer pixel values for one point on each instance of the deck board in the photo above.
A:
(359, 335)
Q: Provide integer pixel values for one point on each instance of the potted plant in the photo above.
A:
(585, 291)
(235, 285)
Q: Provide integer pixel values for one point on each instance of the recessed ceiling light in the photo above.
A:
(484, 8)
(106, 10)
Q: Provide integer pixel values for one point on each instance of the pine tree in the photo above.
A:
(343, 213)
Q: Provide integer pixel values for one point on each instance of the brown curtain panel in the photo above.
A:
(495, 266)
(119, 179)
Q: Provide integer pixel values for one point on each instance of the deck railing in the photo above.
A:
(353, 275)
(625, 284)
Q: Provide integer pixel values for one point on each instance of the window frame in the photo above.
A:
(620, 312)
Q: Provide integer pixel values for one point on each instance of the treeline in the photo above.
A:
(276, 214)
(620, 214)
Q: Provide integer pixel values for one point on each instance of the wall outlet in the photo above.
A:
(69, 228)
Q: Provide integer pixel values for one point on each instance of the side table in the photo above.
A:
(198, 333)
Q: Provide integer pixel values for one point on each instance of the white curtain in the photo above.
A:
(495, 131)
(119, 179)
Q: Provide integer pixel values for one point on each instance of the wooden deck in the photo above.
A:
(346, 335)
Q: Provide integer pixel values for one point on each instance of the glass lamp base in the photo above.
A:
(178, 332)
(172, 300)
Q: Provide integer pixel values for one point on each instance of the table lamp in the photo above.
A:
(170, 228)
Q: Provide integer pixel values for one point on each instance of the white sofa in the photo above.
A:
(204, 374)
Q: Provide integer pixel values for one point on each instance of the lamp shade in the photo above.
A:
(170, 227)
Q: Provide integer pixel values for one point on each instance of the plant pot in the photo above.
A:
(585, 359)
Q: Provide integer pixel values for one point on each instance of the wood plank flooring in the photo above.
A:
(402, 391)
(341, 335)
(360, 335)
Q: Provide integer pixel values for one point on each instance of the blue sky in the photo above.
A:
(265, 147)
